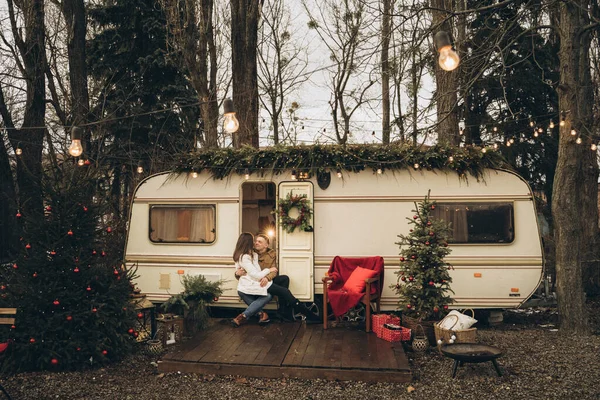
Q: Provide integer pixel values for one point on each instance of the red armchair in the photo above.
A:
(350, 281)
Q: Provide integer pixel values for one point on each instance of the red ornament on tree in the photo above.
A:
(428, 223)
(431, 283)
(15, 266)
(427, 243)
(410, 278)
(48, 208)
(56, 302)
(435, 309)
(53, 253)
(104, 352)
(109, 229)
(76, 269)
(70, 233)
(19, 215)
(87, 162)
(27, 246)
(135, 334)
(32, 340)
(215, 299)
(103, 254)
(93, 252)
(413, 257)
(69, 318)
(34, 275)
(130, 331)
(431, 233)
(13, 327)
(85, 208)
(433, 206)
(78, 349)
(94, 310)
(445, 307)
(115, 272)
(403, 278)
(89, 289)
(408, 306)
(415, 216)
(54, 361)
(402, 259)
(140, 315)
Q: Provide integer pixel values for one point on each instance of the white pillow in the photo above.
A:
(450, 321)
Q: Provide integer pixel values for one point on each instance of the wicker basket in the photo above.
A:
(427, 327)
(460, 336)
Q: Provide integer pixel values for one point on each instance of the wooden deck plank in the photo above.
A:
(291, 350)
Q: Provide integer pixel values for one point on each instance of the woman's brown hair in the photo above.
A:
(245, 245)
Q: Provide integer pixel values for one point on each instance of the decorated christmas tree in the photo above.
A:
(423, 283)
(68, 284)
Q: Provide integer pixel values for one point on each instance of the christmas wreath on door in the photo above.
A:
(302, 204)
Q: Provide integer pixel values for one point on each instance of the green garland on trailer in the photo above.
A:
(352, 158)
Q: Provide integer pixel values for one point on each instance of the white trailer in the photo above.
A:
(181, 224)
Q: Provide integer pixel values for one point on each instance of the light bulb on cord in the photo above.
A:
(339, 173)
(578, 140)
(594, 147)
(551, 124)
(573, 132)
(448, 59)
(75, 149)
(230, 122)
(246, 174)
(194, 174)
(18, 151)
(140, 169)
(81, 162)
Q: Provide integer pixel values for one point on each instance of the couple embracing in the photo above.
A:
(259, 281)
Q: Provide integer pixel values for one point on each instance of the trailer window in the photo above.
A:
(182, 224)
(478, 222)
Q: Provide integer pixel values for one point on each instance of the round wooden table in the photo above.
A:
(471, 353)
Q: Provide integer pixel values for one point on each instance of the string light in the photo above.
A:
(512, 140)
(551, 124)
(18, 150)
(293, 174)
(339, 173)
(562, 122)
(246, 174)
(535, 133)
(508, 143)
(484, 150)
(194, 174)
(416, 165)
(81, 162)
(495, 129)
(531, 123)
(379, 171)
(451, 159)
(541, 130)
(594, 147)
(461, 131)
(573, 132)
(140, 169)
(578, 140)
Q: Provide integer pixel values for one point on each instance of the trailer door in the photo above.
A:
(296, 249)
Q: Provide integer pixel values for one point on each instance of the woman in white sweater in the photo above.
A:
(249, 288)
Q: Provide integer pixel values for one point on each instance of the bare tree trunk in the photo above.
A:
(386, 30)
(245, 15)
(446, 82)
(31, 134)
(574, 208)
(74, 12)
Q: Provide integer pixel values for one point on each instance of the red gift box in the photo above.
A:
(394, 333)
(378, 320)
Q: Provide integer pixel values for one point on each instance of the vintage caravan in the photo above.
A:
(188, 223)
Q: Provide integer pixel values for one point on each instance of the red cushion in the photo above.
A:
(3, 346)
(356, 281)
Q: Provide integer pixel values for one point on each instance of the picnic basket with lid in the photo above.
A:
(453, 335)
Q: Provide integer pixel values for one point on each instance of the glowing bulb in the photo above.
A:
(594, 147)
(194, 174)
(448, 60)
(508, 143)
(512, 140)
(339, 173)
(379, 171)
(461, 131)
(531, 123)
(578, 141)
(81, 162)
(535, 134)
(562, 122)
(246, 174)
(293, 175)
(495, 129)
(551, 124)
(416, 165)
(541, 130)
(484, 150)
(495, 145)
(18, 151)
(573, 132)
(75, 149)
(230, 122)
(140, 169)
(270, 233)
(450, 159)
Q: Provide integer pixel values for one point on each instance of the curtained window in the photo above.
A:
(182, 224)
(478, 222)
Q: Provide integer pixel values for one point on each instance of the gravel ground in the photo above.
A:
(539, 362)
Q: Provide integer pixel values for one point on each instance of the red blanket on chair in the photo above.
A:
(340, 270)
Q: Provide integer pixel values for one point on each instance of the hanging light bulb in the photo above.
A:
(140, 169)
(484, 150)
(293, 174)
(573, 132)
(230, 122)
(449, 59)
(562, 122)
(194, 174)
(495, 129)
(461, 131)
(512, 140)
(594, 147)
(495, 146)
(81, 162)
(246, 174)
(551, 124)
(75, 149)
(416, 165)
(379, 171)
(450, 159)
(339, 173)
(18, 150)
(531, 123)
(508, 143)
(535, 134)
(541, 130)
(578, 140)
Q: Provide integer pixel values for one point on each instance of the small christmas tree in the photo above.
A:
(70, 290)
(423, 279)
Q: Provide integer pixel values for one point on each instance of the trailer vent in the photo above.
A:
(164, 281)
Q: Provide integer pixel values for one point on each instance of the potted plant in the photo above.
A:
(423, 282)
(192, 303)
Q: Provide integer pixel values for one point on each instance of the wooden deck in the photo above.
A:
(292, 350)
